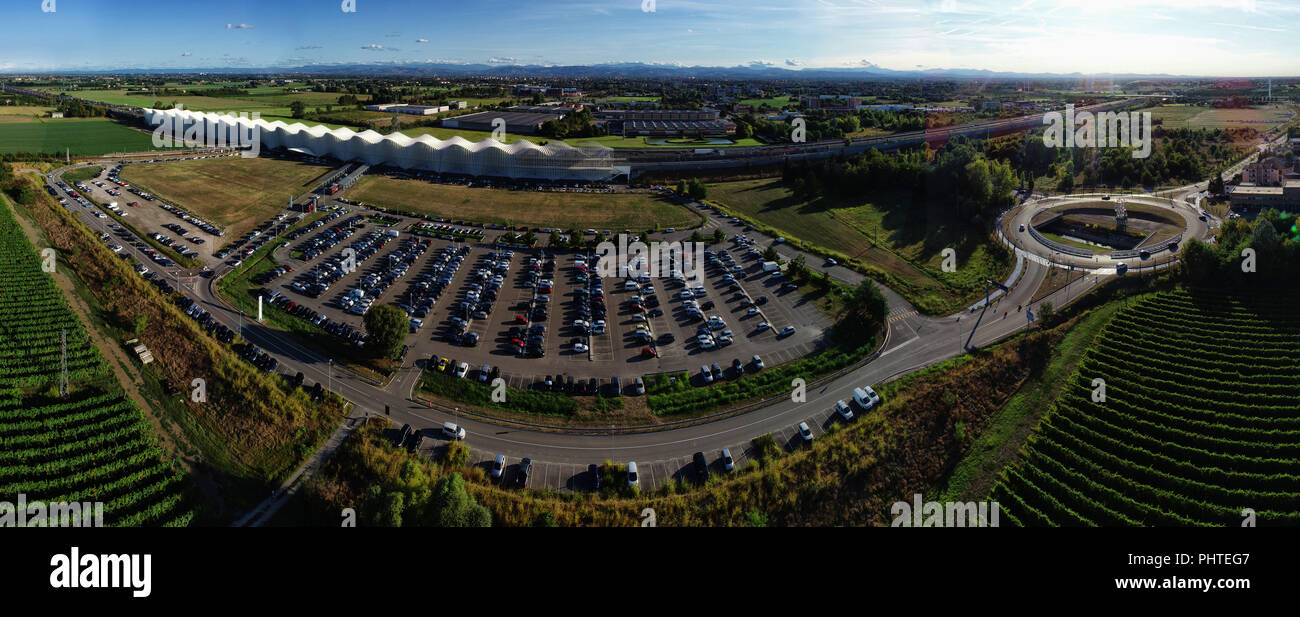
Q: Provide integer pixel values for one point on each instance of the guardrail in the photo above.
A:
(1057, 246)
(1166, 244)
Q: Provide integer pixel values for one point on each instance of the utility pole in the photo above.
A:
(329, 377)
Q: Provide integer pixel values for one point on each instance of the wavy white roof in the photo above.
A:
(155, 117)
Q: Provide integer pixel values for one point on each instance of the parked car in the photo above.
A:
(632, 478)
(701, 465)
(525, 469)
(498, 466)
(805, 432)
(728, 463)
(844, 410)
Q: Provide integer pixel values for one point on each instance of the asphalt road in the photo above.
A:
(561, 458)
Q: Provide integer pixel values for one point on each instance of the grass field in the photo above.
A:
(84, 136)
(1262, 117)
(235, 193)
(775, 102)
(82, 174)
(885, 231)
(636, 211)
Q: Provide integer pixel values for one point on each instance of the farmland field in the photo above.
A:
(615, 211)
(23, 113)
(236, 193)
(85, 136)
(94, 444)
(1193, 117)
(1197, 423)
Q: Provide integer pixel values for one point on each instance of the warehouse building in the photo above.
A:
(1285, 197)
(519, 123)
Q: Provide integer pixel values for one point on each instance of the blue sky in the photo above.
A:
(1201, 37)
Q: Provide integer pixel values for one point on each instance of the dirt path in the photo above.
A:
(127, 373)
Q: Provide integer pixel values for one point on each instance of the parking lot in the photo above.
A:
(552, 302)
(534, 313)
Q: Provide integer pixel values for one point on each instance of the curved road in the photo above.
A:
(561, 459)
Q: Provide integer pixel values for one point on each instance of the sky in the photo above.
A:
(1180, 37)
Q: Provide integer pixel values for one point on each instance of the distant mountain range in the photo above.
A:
(631, 70)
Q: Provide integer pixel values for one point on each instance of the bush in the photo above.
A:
(523, 401)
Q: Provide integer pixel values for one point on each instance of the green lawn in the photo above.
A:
(82, 174)
(776, 102)
(884, 231)
(234, 192)
(637, 211)
(84, 136)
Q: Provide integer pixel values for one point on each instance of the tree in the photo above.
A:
(1216, 184)
(697, 190)
(453, 506)
(298, 108)
(697, 237)
(140, 323)
(386, 328)
(718, 236)
(867, 300)
(770, 253)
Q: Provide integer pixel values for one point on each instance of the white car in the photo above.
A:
(728, 463)
(462, 370)
(632, 478)
(451, 431)
(762, 326)
(499, 466)
(787, 331)
(706, 341)
(580, 347)
(844, 410)
(805, 432)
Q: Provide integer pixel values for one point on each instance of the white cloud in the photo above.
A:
(421, 40)
(186, 54)
(238, 27)
(372, 47)
(503, 60)
(790, 62)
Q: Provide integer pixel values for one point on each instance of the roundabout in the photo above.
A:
(1104, 234)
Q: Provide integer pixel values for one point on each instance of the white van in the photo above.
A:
(865, 397)
(451, 431)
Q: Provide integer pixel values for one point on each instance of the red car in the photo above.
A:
(649, 352)
(521, 319)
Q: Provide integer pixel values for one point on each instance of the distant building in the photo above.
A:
(519, 123)
(56, 114)
(666, 122)
(1267, 172)
(1285, 197)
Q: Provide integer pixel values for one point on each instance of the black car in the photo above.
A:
(701, 466)
(760, 300)
(525, 468)
(594, 470)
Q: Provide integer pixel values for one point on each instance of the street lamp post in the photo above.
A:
(329, 377)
